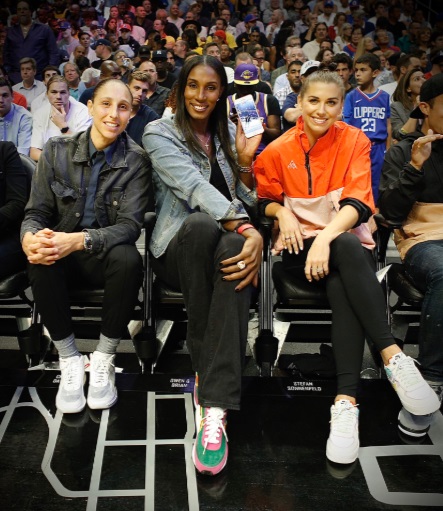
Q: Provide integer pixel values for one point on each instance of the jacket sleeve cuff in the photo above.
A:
(364, 211)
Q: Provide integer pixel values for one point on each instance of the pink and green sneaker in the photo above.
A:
(210, 452)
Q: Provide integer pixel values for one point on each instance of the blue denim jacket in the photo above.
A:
(181, 183)
(59, 187)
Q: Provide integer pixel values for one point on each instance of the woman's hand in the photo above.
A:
(250, 255)
(47, 246)
(291, 233)
(246, 147)
(317, 261)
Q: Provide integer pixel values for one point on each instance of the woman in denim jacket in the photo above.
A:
(203, 243)
(85, 213)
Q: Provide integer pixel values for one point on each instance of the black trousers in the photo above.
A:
(120, 274)
(357, 302)
(217, 315)
(12, 257)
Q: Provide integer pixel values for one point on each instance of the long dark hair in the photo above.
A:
(218, 121)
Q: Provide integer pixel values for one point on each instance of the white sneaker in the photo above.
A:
(415, 393)
(70, 396)
(102, 392)
(343, 443)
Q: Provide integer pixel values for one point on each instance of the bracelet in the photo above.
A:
(239, 224)
(243, 228)
(246, 170)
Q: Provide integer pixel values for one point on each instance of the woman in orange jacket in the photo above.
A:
(316, 181)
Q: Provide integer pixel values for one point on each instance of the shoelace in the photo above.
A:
(343, 419)
(99, 373)
(405, 371)
(214, 425)
(72, 374)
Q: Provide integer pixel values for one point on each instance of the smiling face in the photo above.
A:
(203, 88)
(321, 106)
(110, 111)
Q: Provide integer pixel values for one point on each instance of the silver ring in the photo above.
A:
(241, 265)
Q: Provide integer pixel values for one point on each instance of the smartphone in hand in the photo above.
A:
(248, 115)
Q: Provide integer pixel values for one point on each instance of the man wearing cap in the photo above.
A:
(411, 194)
(245, 78)
(90, 77)
(291, 110)
(250, 26)
(126, 38)
(327, 15)
(68, 42)
(221, 26)
(108, 69)
(164, 77)
(137, 32)
(102, 48)
(28, 39)
(156, 95)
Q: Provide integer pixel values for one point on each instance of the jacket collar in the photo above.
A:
(81, 154)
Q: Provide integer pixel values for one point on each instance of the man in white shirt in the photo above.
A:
(29, 87)
(68, 41)
(40, 100)
(328, 15)
(174, 16)
(62, 115)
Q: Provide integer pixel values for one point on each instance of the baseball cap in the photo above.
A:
(89, 74)
(100, 41)
(255, 29)
(246, 74)
(64, 25)
(429, 90)
(96, 24)
(328, 4)
(354, 4)
(250, 17)
(159, 55)
(127, 49)
(310, 65)
(125, 26)
(144, 51)
(221, 34)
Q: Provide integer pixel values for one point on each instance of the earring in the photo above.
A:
(218, 99)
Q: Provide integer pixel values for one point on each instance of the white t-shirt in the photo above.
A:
(43, 128)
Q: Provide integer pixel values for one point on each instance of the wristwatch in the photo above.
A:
(87, 243)
(64, 130)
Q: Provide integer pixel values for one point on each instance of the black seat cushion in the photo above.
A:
(297, 290)
(165, 294)
(13, 285)
(403, 286)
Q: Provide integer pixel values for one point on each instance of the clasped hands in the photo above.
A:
(47, 246)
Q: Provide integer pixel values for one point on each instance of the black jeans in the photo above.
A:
(217, 315)
(357, 303)
(119, 273)
(12, 257)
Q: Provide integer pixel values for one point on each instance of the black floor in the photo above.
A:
(137, 455)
